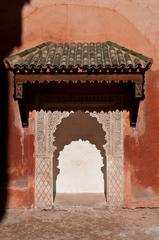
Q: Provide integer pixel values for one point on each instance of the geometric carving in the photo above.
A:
(46, 124)
(43, 186)
(18, 90)
(139, 89)
(112, 125)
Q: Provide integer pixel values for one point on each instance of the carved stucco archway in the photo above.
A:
(46, 125)
(78, 126)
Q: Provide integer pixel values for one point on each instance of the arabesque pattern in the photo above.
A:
(46, 125)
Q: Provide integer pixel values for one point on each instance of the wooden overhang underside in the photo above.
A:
(21, 79)
(137, 79)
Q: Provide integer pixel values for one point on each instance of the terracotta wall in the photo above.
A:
(134, 24)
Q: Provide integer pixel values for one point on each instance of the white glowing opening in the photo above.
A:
(80, 165)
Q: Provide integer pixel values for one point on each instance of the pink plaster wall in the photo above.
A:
(134, 24)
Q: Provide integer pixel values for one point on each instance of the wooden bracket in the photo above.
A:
(134, 111)
(18, 90)
(21, 97)
(139, 89)
(24, 113)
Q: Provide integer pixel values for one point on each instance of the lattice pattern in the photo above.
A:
(43, 187)
(112, 125)
(46, 126)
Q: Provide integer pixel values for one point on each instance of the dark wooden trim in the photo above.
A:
(24, 113)
(134, 112)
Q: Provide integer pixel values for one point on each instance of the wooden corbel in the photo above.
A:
(138, 96)
(20, 96)
(139, 92)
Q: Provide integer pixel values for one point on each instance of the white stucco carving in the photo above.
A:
(46, 125)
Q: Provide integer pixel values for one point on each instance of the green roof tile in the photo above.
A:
(88, 57)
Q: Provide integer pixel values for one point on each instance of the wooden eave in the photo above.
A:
(137, 79)
(78, 62)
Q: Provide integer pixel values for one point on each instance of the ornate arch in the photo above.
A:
(47, 124)
(78, 125)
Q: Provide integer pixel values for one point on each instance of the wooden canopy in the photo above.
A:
(78, 62)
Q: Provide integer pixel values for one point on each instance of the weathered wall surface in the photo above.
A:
(134, 24)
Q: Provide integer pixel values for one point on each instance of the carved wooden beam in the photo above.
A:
(80, 77)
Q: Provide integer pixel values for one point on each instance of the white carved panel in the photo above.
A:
(43, 183)
(46, 124)
(112, 125)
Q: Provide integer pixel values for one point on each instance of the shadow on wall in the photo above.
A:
(10, 32)
(78, 125)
